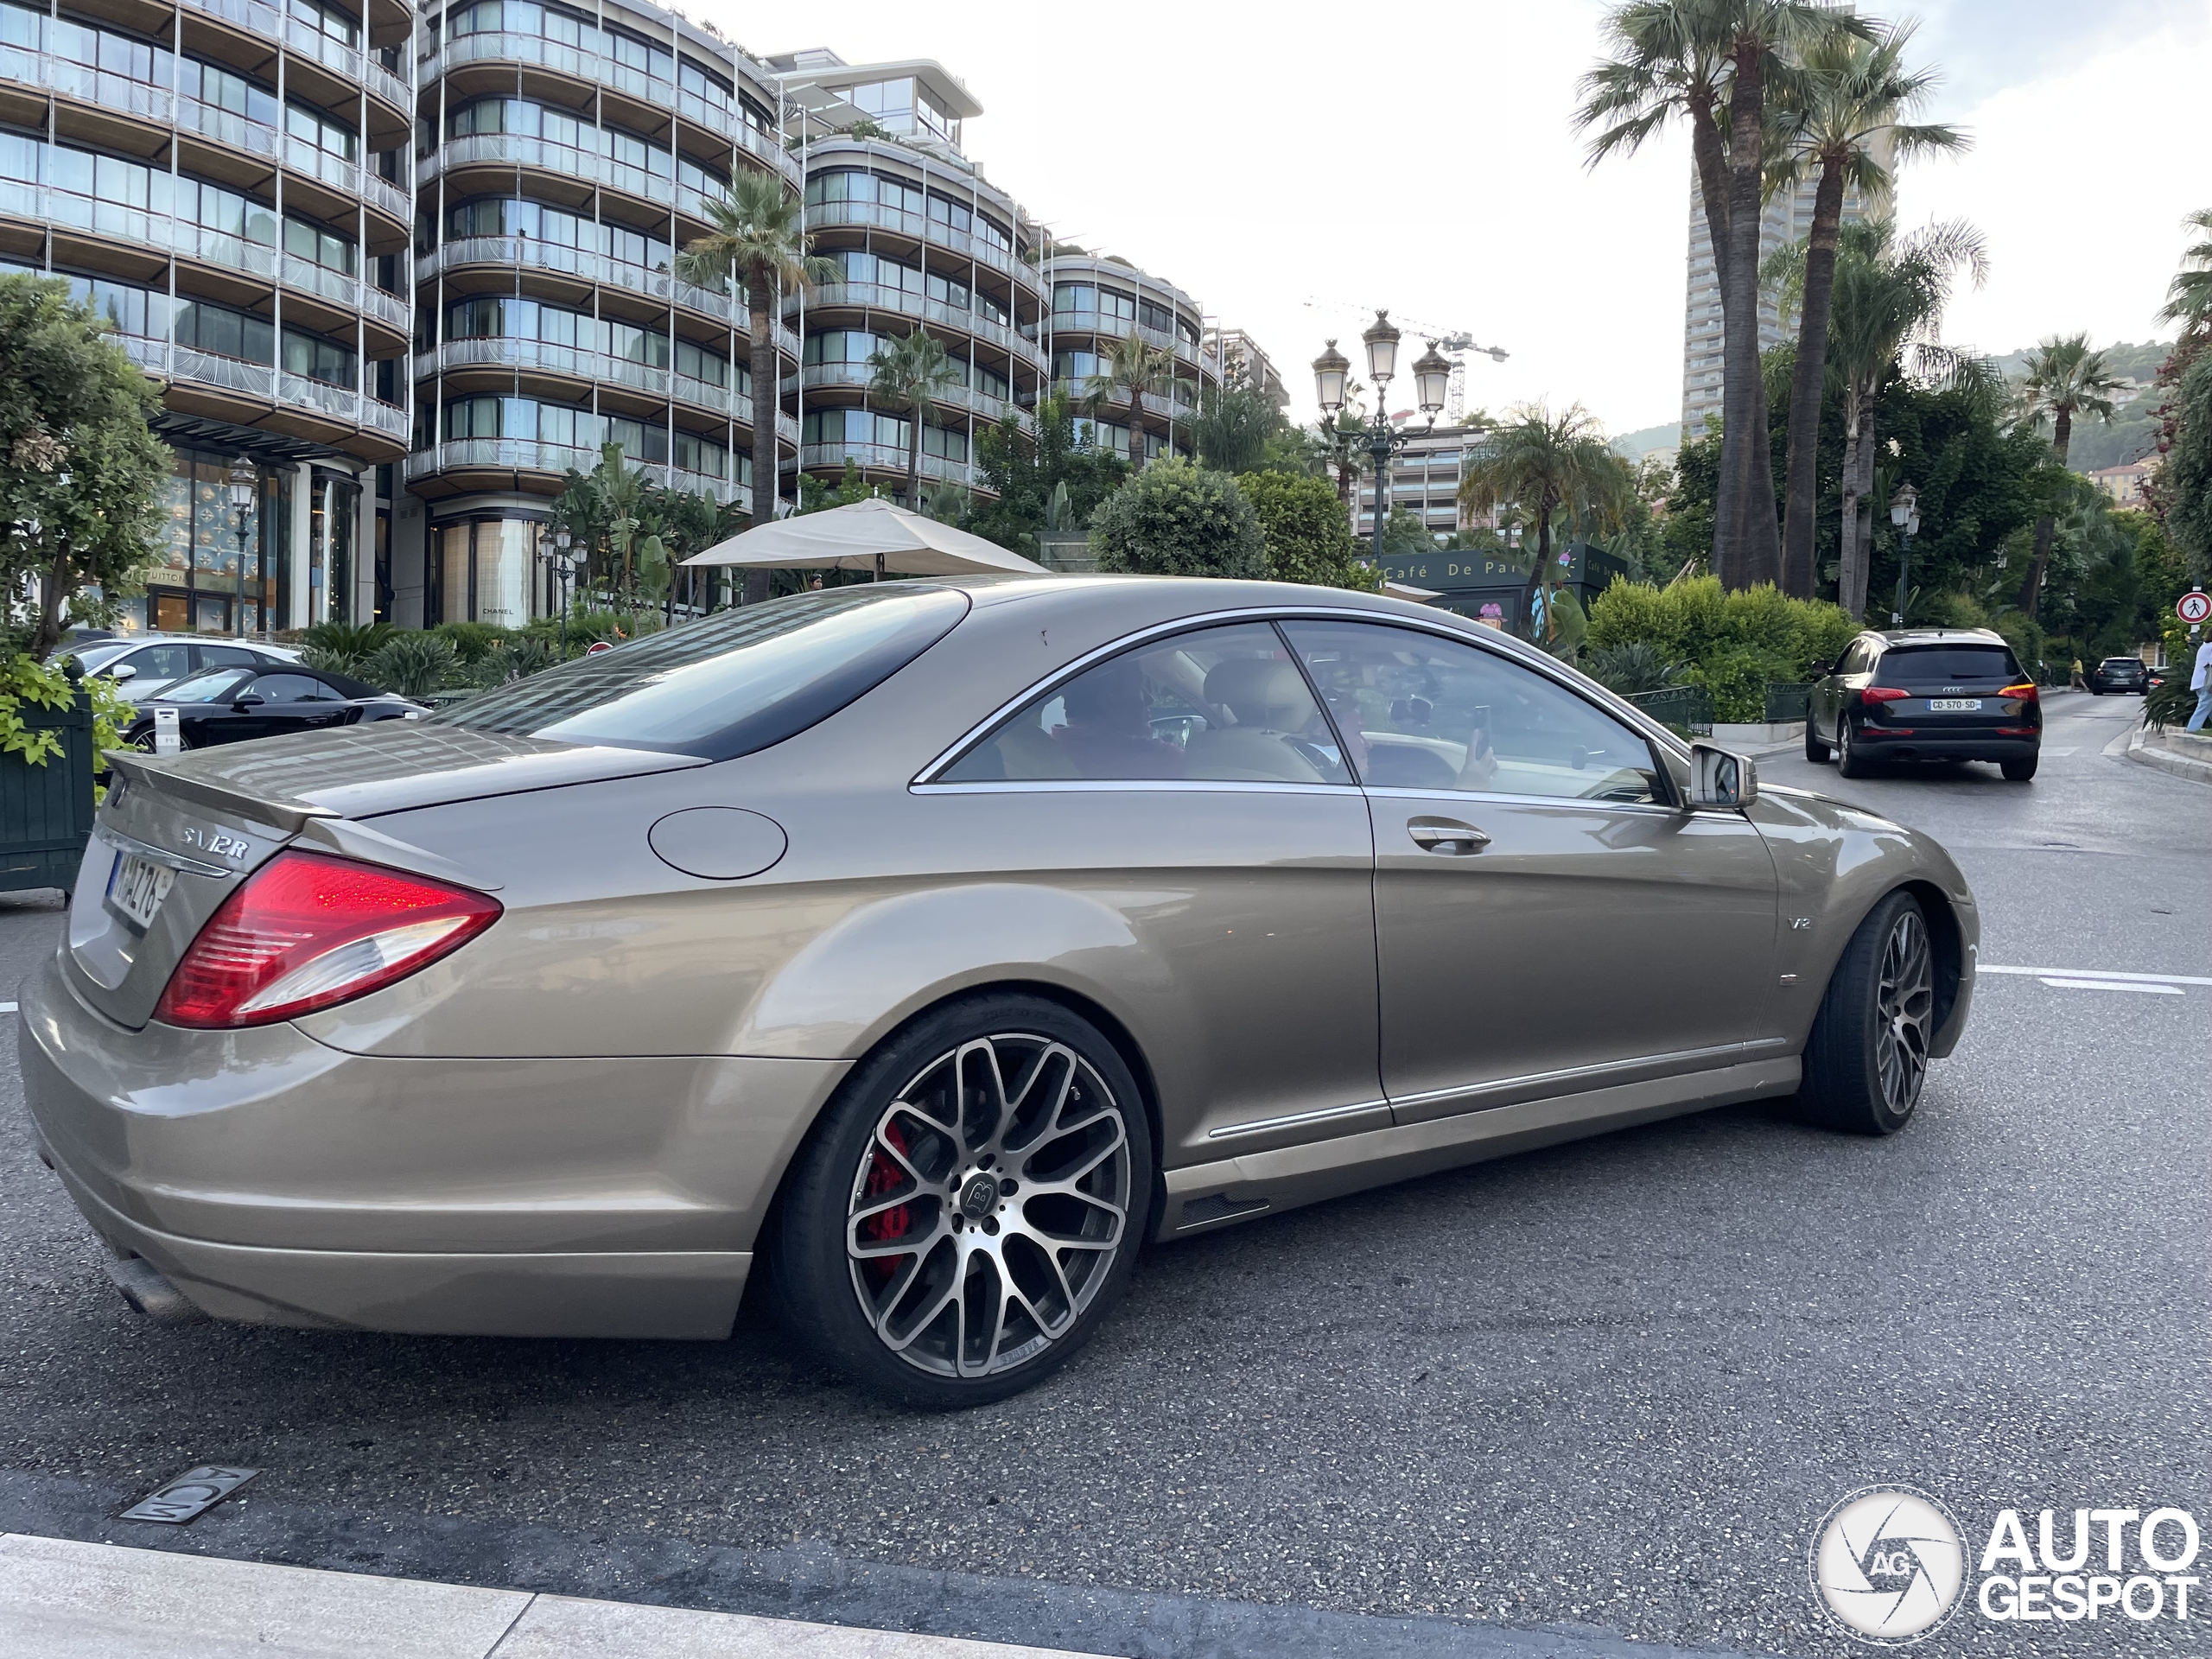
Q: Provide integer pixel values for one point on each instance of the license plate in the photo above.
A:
(1954, 705)
(135, 888)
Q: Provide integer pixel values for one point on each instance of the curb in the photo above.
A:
(2143, 747)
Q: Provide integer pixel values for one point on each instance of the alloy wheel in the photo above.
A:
(989, 1206)
(1905, 1000)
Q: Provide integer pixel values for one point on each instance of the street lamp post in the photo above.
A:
(1432, 374)
(1905, 514)
(244, 485)
(564, 568)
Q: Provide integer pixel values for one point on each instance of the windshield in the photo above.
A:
(729, 683)
(1934, 665)
(93, 657)
(213, 686)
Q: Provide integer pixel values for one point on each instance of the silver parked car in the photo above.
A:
(144, 665)
(940, 942)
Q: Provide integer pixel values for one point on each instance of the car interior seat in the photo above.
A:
(1270, 702)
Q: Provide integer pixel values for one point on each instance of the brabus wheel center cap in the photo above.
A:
(979, 1197)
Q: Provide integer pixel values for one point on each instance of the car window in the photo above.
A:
(730, 684)
(1214, 705)
(1904, 666)
(159, 662)
(92, 658)
(1421, 712)
(293, 688)
(223, 656)
(1855, 660)
(217, 685)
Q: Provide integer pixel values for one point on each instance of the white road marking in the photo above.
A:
(2095, 972)
(7, 1007)
(2112, 985)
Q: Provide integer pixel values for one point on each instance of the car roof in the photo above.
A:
(1938, 635)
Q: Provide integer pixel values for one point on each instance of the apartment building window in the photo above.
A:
(126, 306)
(324, 132)
(327, 20)
(695, 453)
(710, 365)
(1077, 365)
(1109, 305)
(854, 346)
(226, 90)
(519, 217)
(316, 359)
(224, 332)
(318, 245)
(850, 184)
(124, 183)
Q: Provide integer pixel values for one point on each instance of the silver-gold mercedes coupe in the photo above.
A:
(934, 945)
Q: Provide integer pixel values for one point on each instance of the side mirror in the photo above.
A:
(247, 700)
(1718, 779)
(123, 672)
(1822, 671)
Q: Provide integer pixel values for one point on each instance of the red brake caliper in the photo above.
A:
(884, 1176)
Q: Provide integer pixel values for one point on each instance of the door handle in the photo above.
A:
(1446, 836)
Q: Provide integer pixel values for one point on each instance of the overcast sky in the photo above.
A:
(1295, 166)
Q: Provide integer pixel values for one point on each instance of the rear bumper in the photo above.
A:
(1875, 744)
(276, 1180)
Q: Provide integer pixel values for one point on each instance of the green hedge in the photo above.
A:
(1734, 645)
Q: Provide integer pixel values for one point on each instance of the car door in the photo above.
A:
(1184, 804)
(288, 701)
(152, 667)
(1546, 920)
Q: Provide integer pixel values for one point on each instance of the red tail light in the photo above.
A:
(1882, 694)
(308, 930)
(2025, 692)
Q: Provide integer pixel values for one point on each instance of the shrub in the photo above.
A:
(1734, 644)
(413, 664)
(1308, 539)
(1631, 666)
(344, 643)
(512, 659)
(471, 641)
(1173, 520)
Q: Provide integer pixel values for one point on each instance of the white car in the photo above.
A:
(145, 664)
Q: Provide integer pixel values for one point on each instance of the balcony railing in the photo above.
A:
(1106, 328)
(548, 358)
(920, 226)
(855, 377)
(876, 297)
(528, 455)
(342, 288)
(351, 62)
(888, 457)
(341, 173)
(500, 48)
(586, 266)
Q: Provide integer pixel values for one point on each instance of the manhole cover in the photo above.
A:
(190, 1495)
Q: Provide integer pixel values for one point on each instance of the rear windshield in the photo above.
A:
(729, 683)
(1942, 665)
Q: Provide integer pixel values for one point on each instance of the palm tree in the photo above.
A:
(1888, 299)
(1552, 466)
(2064, 378)
(1133, 368)
(1843, 111)
(906, 374)
(1691, 60)
(2189, 301)
(758, 239)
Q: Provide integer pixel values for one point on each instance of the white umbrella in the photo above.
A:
(871, 535)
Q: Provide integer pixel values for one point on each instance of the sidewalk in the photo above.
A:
(64, 1600)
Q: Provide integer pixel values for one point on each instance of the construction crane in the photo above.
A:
(1456, 344)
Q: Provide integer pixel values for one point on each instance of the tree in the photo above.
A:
(759, 242)
(1134, 368)
(1341, 446)
(1556, 467)
(1888, 300)
(79, 469)
(2186, 484)
(1176, 520)
(1307, 537)
(1027, 472)
(1234, 428)
(907, 374)
(1845, 102)
(2064, 378)
(2189, 300)
(1685, 60)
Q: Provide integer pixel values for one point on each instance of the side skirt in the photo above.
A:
(1202, 1197)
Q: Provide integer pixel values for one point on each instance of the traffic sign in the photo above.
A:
(2195, 607)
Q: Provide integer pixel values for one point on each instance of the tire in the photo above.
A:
(2018, 772)
(1815, 751)
(1868, 1057)
(902, 1147)
(1847, 763)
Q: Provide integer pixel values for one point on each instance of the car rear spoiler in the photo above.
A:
(280, 812)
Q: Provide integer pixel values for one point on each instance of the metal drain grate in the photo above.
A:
(190, 1495)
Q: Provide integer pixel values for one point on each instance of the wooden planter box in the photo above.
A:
(46, 812)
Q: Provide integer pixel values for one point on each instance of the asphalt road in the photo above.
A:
(1612, 1386)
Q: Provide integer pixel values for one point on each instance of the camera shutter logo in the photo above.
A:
(1888, 1564)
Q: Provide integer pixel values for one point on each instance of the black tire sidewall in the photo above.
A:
(811, 1280)
(1842, 1087)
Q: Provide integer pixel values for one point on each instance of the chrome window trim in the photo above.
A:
(1603, 1068)
(1514, 651)
(1655, 809)
(1170, 786)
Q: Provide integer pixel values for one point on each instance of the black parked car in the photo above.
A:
(1926, 694)
(2120, 674)
(228, 705)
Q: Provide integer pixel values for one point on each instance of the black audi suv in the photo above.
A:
(1926, 694)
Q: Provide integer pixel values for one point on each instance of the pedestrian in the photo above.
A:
(2200, 683)
(2077, 683)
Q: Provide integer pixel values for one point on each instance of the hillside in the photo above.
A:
(2134, 431)
(1639, 444)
